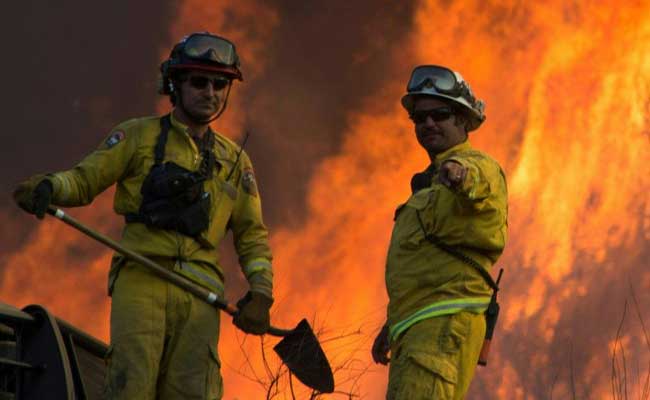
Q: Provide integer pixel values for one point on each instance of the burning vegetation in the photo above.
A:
(567, 90)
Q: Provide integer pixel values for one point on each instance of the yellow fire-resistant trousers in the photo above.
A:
(436, 358)
(163, 341)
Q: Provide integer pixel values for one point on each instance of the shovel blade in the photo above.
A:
(302, 354)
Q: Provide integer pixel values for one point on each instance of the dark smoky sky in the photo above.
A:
(74, 69)
(71, 70)
(325, 59)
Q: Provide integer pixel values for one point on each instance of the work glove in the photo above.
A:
(381, 347)
(253, 316)
(34, 199)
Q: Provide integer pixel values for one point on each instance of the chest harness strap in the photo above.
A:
(492, 312)
(173, 197)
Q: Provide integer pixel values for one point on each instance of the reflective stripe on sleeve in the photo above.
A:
(202, 276)
(255, 266)
(476, 305)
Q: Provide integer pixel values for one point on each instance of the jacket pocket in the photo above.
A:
(454, 333)
(421, 375)
(213, 381)
(408, 228)
(112, 378)
(435, 365)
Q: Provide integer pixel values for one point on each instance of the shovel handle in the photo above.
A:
(178, 280)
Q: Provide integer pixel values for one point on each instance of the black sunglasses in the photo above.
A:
(437, 114)
(201, 82)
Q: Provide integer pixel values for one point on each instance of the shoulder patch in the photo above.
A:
(248, 182)
(114, 139)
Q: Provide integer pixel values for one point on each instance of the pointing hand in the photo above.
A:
(452, 174)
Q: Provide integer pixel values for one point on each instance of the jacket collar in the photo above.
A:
(437, 161)
(178, 125)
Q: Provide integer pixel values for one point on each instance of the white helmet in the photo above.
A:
(437, 81)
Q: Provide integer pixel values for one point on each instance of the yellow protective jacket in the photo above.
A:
(424, 281)
(125, 158)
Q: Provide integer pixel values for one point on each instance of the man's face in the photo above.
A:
(202, 93)
(436, 126)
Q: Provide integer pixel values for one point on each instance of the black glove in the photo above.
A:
(381, 347)
(253, 316)
(34, 201)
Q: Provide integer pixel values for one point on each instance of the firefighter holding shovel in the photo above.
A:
(180, 187)
(446, 237)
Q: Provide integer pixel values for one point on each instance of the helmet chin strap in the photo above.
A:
(198, 120)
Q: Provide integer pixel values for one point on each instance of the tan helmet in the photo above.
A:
(441, 82)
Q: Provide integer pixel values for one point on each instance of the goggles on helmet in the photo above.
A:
(208, 52)
(206, 47)
(441, 82)
(441, 79)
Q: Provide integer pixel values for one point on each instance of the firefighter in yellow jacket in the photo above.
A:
(452, 226)
(180, 187)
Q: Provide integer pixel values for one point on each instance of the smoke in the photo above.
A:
(567, 115)
(566, 87)
(71, 72)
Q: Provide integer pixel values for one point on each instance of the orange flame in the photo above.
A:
(62, 270)
(567, 91)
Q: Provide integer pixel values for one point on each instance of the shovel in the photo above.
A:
(299, 348)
